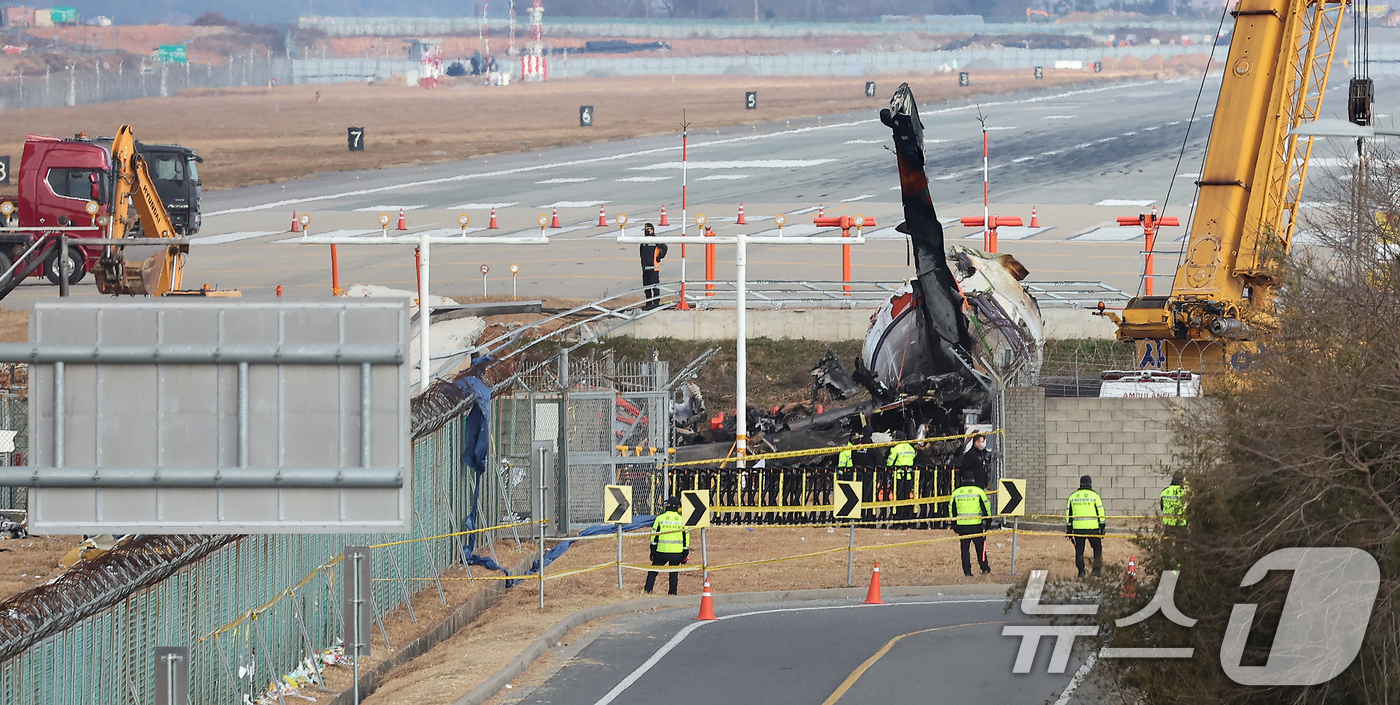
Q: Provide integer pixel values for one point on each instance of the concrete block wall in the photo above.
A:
(1025, 440)
(1126, 445)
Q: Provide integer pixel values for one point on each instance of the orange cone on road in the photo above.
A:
(493, 225)
(821, 210)
(664, 221)
(296, 224)
(707, 605)
(403, 222)
(872, 597)
(554, 221)
(741, 220)
(1130, 581)
(1035, 218)
(602, 217)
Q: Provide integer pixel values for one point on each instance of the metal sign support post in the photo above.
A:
(424, 308)
(851, 556)
(1015, 532)
(704, 556)
(619, 556)
(740, 242)
(358, 602)
(543, 470)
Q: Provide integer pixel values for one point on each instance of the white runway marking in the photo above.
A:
(230, 237)
(333, 233)
(483, 206)
(866, 141)
(1057, 117)
(737, 164)
(725, 177)
(996, 128)
(1018, 160)
(1120, 203)
(371, 209)
(1188, 176)
(927, 110)
(945, 177)
(1110, 234)
(685, 631)
(861, 197)
(1011, 232)
(1078, 679)
(573, 204)
(642, 179)
(550, 232)
(563, 180)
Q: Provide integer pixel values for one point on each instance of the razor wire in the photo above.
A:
(97, 624)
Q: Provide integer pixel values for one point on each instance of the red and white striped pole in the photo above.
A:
(987, 230)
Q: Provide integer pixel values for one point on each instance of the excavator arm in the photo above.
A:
(1252, 179)
(159, 274)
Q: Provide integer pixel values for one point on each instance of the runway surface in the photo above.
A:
(1082, 156)
(915, 650)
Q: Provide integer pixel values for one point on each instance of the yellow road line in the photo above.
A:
(861, 669)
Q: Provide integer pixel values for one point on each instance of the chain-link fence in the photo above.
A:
(251, 610)
(14, 444)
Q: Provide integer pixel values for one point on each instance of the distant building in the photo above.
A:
(16, 16)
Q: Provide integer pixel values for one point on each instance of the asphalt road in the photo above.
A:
(917, 650)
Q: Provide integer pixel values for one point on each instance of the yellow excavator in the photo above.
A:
(159, 274)
(1275, 77)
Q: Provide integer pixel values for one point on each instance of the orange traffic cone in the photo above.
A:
(1035, 218)
(1130, 582)
(554, 221)
(741, 220)
(707, 605)
(821, 210)
(493, 225)
(602, 217)
(403, 222)
(664, 221)
(872, 597)
(296, 224)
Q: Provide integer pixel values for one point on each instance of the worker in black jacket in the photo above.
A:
(975, 461)
(651, 267)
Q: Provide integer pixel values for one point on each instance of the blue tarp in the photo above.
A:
(476, 444)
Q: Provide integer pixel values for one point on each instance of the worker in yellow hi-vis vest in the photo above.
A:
(670, 543)
(901, 458)
(971, 509)
(1084, 521)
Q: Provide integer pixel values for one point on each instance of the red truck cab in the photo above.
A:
(57, 180)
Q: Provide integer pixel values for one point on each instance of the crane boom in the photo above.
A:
(1251, 182)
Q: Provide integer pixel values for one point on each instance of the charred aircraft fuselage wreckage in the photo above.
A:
(935, 352)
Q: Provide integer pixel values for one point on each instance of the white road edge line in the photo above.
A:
(685, 632)
(1078, 679)
(660, 150)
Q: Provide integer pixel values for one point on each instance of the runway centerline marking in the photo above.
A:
(685, 632)
(840, 691)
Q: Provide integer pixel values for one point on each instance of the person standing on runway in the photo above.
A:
(651, 267)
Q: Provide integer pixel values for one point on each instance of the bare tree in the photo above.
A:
(1300, 449)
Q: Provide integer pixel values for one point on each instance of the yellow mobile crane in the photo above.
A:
(1275, 78)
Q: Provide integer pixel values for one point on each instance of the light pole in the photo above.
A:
(741, 242)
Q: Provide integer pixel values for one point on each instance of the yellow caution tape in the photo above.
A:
(831, 450)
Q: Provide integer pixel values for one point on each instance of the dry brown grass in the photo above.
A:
(28, 563)
(261, 135)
